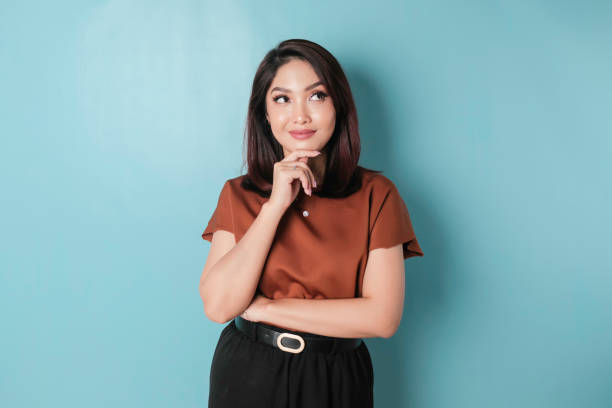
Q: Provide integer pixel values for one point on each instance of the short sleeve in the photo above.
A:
(392, 224)
(222, 216)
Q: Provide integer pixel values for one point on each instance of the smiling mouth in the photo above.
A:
(302, 134)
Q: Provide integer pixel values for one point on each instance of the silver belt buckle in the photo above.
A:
(289, 349)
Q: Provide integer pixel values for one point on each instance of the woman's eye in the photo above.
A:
(321, 94)
(276, 98)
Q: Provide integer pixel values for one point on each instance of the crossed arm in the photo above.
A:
(377, 314)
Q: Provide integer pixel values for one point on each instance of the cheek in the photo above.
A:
(328, 117)
(278, 115)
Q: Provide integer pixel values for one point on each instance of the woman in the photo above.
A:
(307, 247)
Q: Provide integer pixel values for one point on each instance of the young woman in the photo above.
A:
(308, 248)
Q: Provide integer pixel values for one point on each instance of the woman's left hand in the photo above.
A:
(256, 310)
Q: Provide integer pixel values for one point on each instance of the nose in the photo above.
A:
(300, 113)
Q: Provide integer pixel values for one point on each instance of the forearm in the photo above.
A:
(352, 317)
(229, 286)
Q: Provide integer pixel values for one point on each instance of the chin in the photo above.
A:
(309, 144)
(303, 145)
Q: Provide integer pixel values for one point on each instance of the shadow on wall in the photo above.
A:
(397, 375)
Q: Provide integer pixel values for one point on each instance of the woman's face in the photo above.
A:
(296, 101)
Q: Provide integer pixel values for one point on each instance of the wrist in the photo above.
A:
(266, 309)
(272, 209)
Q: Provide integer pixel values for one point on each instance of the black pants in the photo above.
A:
(245, 373)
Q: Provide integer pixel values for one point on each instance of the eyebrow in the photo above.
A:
(278, 88)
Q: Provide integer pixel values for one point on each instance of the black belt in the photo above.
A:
(292, 342)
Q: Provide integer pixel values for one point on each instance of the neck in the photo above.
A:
(317, 165)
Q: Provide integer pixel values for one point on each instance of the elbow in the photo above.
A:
(387, 332)
(388, 328)
(211, 311)
(211, 315)
(215, 314)
(215, 317)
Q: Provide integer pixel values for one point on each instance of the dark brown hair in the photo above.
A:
(342, 173)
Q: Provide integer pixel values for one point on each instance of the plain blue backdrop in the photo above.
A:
(120, 121)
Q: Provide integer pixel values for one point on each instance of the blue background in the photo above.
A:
(121, 120)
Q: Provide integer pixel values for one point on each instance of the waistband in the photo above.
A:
(292, 341)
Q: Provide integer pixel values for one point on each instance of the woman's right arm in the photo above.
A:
(232, 271)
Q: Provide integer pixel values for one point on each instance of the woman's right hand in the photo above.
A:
(287, 181)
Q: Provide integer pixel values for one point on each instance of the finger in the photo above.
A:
(301, 175)
(304, 160)
(301, 153)
(305, 182)
(305, 166)
(313, 181)
(305, 174)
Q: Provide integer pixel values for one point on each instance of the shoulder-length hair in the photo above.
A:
(342, 173)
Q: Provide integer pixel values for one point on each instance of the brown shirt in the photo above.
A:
(321, 244)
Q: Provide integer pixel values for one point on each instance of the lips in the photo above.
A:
(302, 134)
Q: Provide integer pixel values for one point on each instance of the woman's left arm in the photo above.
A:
(377, 314)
